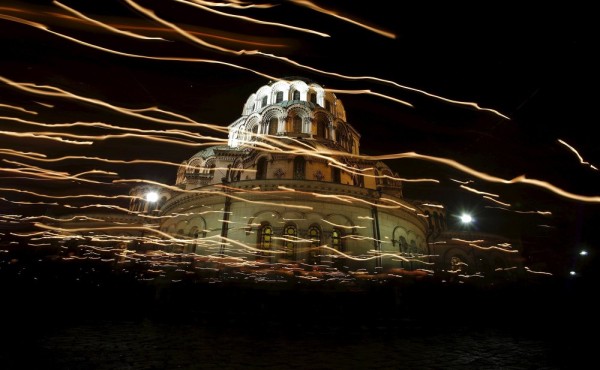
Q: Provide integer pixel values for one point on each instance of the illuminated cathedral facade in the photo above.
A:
(291, 187)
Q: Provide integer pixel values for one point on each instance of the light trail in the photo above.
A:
(41, 158)
(68, 196)
(284, 59)
(577, 154)
(20, 109)
(27, 202)
(34, 135)
(479, 192)
(315, 7)
(213, 192)
(484, 176)
(58, 92)
(104, 25)
(496, 201)
(543, 213)
(244, 18)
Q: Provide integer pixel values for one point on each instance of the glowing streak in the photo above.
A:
(313, 6)
(369, 92)
(468, 241)
(227, 194)
(343, 226)
(188, 134)
(25, 202)
(537, 272)
(39, 136)
(57, 174)
(463, 182)
(358, 171)
(490, 178)
(66, 196)
(253, 20)
(479, 192)
(58, 135)
(497, 201)
(151, 14)
(74, 218)
(21, 109)
(349, 199)
(577, 154)
(432, 205)
(104, 25)
(494, 247)
(45, 104)
(39, 157)
(30, 155)
(234, 4)
(57, 92)
(37, 172)
(543, 213)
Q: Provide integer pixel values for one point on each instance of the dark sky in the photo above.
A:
(535, 66)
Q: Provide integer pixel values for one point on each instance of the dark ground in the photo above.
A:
(61, 316)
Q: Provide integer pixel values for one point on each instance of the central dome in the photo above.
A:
(294, 108)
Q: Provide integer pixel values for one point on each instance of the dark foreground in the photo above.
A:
(63, 320)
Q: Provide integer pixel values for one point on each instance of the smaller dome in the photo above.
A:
(209, 152)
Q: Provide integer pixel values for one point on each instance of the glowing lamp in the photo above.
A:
(466, 218)
(152, 196)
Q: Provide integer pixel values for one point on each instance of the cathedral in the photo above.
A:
(291, 187)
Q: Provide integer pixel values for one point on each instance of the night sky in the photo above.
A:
(535, 67)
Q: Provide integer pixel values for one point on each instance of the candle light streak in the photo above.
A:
(186, 34)
(577, 154)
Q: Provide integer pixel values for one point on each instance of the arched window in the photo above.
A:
(314, 234)
(403, 245)
(264, 102)
(265, 235)
(336, 175)
(328, 105)
(261, 168)
(236, 172)
(273, 125)
(312, 97)
(279, 97)
(296, 95)
(321, 127)
(290, 234)
(297, 124)
(336, 239)
(299, 168)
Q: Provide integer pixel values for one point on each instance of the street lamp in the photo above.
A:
(151, 196)
(466, 218)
